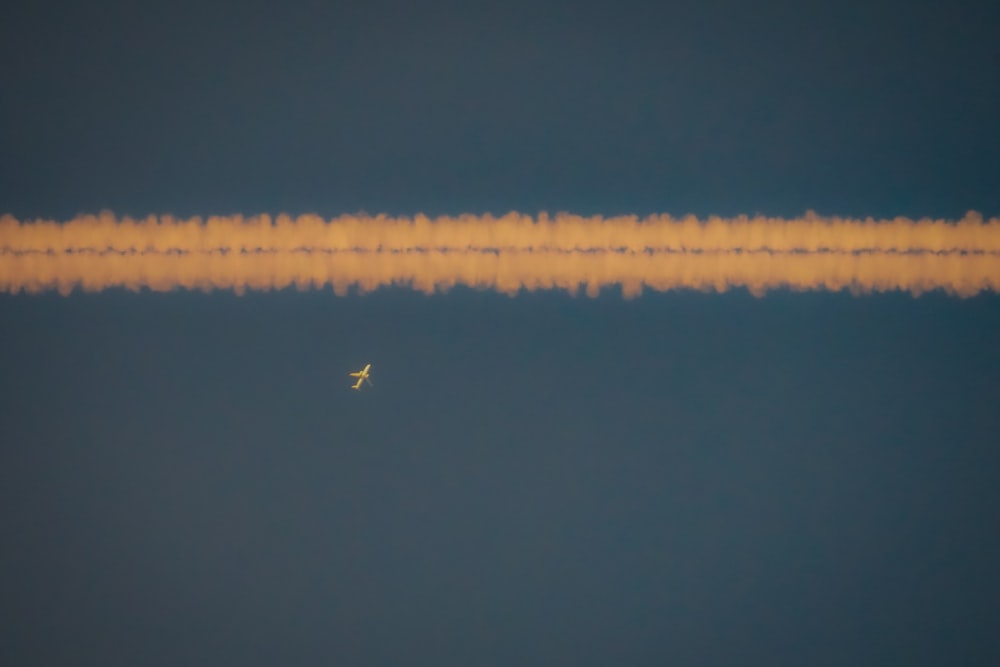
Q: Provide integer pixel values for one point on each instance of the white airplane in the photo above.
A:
(362, 376)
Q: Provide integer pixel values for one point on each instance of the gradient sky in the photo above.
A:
(685, 478)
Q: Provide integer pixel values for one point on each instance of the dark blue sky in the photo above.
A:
(880, 107)
(684, 478)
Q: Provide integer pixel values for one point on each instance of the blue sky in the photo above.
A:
(876, 108)
(683, 478)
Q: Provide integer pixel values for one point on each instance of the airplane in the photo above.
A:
(362, 376)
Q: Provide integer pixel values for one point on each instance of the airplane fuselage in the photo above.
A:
(362, 376)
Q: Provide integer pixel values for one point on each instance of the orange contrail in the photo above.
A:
(507, 253)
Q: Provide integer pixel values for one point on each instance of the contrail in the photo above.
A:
(508, 253)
